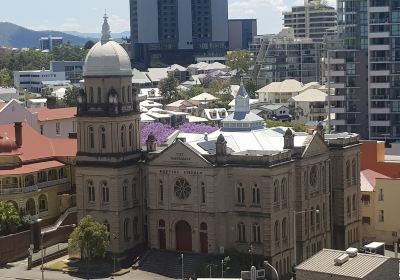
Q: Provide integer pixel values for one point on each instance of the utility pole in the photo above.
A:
(183, 276)
(222, 268)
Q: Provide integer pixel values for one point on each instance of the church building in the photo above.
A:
(242, 186)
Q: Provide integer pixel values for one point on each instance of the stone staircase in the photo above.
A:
(167, 263)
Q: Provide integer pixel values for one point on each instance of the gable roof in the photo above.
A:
(314, 145)
(289, 85)
(368, 179)
(45, 114)
(310, 95)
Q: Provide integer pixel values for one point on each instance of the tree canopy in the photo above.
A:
(239, 61)
(5, 78)
(70, 97)
(90, 237)
(168, 88)
(10, 219)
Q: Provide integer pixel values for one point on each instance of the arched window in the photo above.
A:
(125, 190)
(161, 224)
(135, 228)
(134, 189)
(312, 216)
(354, 170)
(130, 135)
(256, 194)
(347, 170)
(123, 94)
(318, 216)
(284, 229)
(276, 231)
(161, 191)
(126, 229)
(107, 225)
(91, 95)
(129, 94)
(354, 202)
(203, 193)
(256, 233)
(276, 191)
(240, 193)
(241, 232)
(123, 136)
(43, 203)
(348, 206)
(103, 137)
(105, 191)
(99, 95)
(91, 137)
(203, 226)
(91, 191)
(283, 189)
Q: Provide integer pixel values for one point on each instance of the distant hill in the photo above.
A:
(115, 36)
(12, 35)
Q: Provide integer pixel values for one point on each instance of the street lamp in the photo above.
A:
(294, 231)
(41, 241)
(210, 268)
(115, 237)
(266, 263)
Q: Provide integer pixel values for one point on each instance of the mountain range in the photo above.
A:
(15, 36)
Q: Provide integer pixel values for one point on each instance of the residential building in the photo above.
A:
(50, 42)
(37, 173)
(312, 20)
(279, 92)
(231, 188)
(168, 32)
(347, 265)
(36, 103)
(215, 114)
(52, 123)
(241, 33)
(183, 106)
(148, 104)
(309, 106)
(282, 56)
(278, 112)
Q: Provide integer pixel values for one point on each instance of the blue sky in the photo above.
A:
(85, 15)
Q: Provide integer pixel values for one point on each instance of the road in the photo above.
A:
(17, 271)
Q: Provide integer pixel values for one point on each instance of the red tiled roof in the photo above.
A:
(368, 179)
(45, 114)
(30, 168)
(37, 147)
(2, 104)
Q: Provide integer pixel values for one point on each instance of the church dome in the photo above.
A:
(107, 58)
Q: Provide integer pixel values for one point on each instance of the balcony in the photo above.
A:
(379, 123)
(318, 111)
(335, 73)
(379, 47)
(382, 9)
(337, 85)
(379, 35)
(337, 98)
(379, 85)
(338, 110)
(379, 72)
(380, 110)
(380, 59)
(338, 122)
(29, 189)
(336, 61)
(51, 183)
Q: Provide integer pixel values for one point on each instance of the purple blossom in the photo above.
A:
(159, 130)
(197, 128)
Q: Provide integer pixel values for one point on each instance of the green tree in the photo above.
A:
(239, 61)
(88, 45)
(90, 237)
(69, 53)
(219, 87)
(46, 92)
(70, 97)
(5, 78)
(168, 88)
(296, 126)
(10, 219)
(251, 88)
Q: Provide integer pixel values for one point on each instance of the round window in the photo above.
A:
(182, 188)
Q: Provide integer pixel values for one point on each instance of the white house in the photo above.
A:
(279, 112)
(279, 92)
(215, 114)
(36, 103)
(148, 104)
(309, 107)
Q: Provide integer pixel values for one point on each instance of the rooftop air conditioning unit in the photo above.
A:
(352, 252)
(341, 259)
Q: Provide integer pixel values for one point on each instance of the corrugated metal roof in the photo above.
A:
(357, 267)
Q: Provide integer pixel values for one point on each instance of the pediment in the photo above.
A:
(316, 146)
(180, 154)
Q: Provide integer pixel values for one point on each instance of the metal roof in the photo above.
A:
(357, 267)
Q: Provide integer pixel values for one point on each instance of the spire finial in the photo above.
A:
(105, 32)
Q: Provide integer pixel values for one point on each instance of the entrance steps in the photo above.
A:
(167, 263)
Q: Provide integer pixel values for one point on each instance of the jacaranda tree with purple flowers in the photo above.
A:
(197, 128)
(159, 130)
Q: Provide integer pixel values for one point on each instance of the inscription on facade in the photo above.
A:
(182, 172)
(181, 157)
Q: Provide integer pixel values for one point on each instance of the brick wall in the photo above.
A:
(14, 247)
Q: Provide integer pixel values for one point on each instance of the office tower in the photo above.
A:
(241, 33)
(165, 32)
(313, 20)
(50, 42)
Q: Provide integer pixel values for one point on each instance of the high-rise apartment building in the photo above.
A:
(365, 70)
(282, 56)
(313, 20)
(178, 31)
(48, 43)
(241, 33)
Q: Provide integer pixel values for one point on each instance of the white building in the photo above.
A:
(215, 114)
(36, 103)
(309, 107)
(7, 94)
(279, 92)
(33, 80)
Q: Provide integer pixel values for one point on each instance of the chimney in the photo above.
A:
(51, 102)
(18, 134)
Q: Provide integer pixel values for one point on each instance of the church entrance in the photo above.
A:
(161, 235)
(183, 233)
(203, 238)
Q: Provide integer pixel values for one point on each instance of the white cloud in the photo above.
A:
(246, 8)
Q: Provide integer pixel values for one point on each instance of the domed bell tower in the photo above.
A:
(108, 118)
